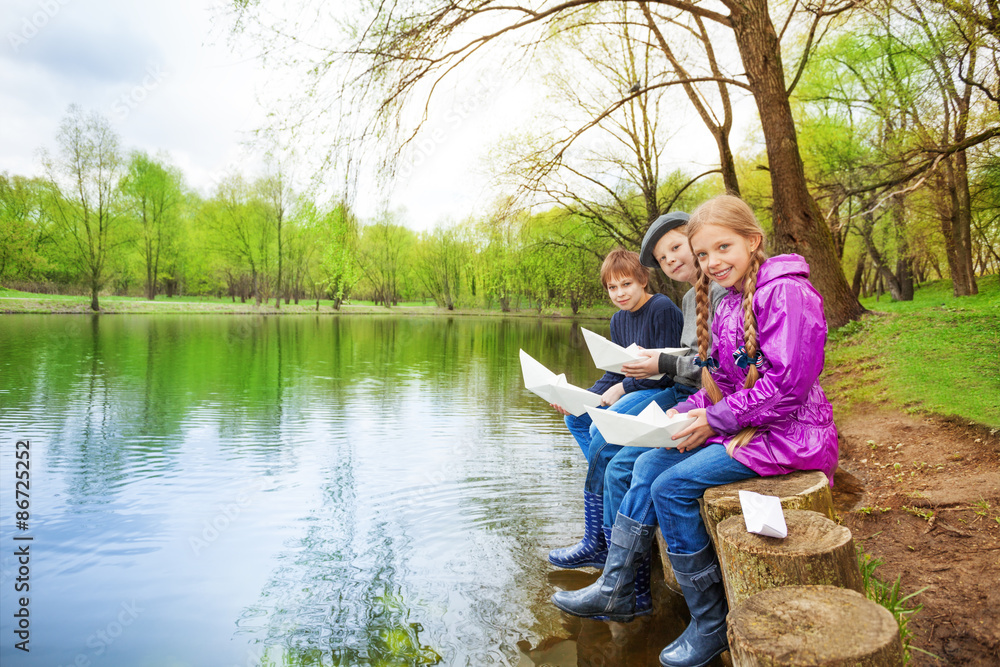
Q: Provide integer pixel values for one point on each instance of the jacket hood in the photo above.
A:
(782, 265)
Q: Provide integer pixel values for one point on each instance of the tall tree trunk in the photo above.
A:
(859, 274)
(798, 224)
(964, 276)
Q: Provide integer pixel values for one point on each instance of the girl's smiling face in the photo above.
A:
(627, 293)
(723, 254)
(673, 253)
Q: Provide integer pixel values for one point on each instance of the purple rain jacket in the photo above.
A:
(793, 416)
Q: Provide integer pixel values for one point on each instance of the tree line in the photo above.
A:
(878, 119)
(875, 159)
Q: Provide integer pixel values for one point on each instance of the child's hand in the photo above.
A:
(699, 431)
(672, 412)
(643, 369)
(559, 409)
(612, 395)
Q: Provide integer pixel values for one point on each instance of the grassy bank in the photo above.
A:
(13, 301)
(937, 353)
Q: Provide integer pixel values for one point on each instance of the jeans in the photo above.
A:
(602, 454)
(666, 486)
(583, 428)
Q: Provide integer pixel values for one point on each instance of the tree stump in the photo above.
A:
(668, 570)
(816, 551)
(801, 490)
(819, 626)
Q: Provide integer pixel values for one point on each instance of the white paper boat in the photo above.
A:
(610, 356)
(763, 514)
(542, 382)
(649, 428)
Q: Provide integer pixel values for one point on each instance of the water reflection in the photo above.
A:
(299, 491)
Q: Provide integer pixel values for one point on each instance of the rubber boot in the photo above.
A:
(643, 591)
(705, 636)
(613, 594)
(592, 550)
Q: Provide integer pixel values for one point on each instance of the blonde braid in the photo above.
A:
(749, 343)
(702, 288)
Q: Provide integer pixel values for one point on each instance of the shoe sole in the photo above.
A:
(619, 618)
(590, 563)
(700, 664)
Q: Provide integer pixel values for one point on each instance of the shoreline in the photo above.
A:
(16, 305)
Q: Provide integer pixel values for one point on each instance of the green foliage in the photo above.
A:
(902, 608)
(25, 227)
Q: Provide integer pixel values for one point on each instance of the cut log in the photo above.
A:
(668, 570)
(819, 626)
(802, 490)
(816, 551)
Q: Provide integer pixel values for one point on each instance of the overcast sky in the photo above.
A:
(166, 75)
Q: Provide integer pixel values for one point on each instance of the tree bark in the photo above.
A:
(803, 490)
(816, 551)
(798, 224)
(813, 625)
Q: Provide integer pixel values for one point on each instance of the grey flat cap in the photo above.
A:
(656, 230)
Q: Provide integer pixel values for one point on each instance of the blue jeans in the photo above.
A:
(671, 483)
(583, 428)
(602, 454)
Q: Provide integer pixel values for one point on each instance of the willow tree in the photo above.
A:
(400, 52)
(84, 176)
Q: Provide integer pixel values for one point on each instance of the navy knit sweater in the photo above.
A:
(657, 324)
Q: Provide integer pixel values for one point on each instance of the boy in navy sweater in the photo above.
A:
(650, 321)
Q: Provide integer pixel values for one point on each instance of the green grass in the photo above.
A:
(937, 353)
(902, 607)
(13, 301)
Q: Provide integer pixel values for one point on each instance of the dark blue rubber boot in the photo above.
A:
(643, 592)
(613, 595)
(592, 550)
(705, 636)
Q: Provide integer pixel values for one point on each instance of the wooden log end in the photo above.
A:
(813, 625)
(803, 489)
(816, 551)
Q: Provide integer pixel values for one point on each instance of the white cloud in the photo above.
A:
(161, 71)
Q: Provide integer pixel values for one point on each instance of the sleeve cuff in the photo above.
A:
(667, 365)
(721, 418)
(684, 407)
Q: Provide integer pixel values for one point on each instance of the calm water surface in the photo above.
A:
(295, 490)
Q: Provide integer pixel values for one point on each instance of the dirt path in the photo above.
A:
(923, 494)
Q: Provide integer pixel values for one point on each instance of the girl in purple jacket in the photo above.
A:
(760, 411)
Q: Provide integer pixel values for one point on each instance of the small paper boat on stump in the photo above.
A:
(610, 356)
(649, 428)
(542, 382)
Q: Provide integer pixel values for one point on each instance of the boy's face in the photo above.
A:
(627, 292)
(673, 253)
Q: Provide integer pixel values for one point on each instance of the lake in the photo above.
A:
(295, 490)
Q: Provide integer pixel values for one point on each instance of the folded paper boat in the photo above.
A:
(763, 514)
(610, 356)
(649, 428)
(542, 382)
